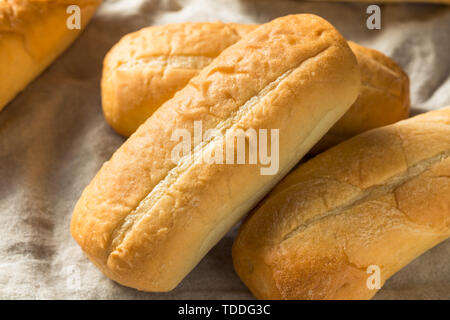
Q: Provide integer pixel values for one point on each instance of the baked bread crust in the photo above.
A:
(145, 221)
(32, 34)
(146, 68)
(383, 99)
(380, 198)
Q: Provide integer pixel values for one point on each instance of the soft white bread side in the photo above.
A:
(146, 221)
(32, 34)
(380, 198)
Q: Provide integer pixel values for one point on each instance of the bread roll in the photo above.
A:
(379, 199)
(32, 34)
(146, 221)
(383, 99)
(146, 68)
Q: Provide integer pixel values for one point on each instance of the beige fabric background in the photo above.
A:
(53, 139)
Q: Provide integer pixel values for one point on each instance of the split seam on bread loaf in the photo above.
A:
(126, 226)
(374, 191)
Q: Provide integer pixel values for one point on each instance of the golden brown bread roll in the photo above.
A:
(146, 68)
(32, 34)
(383, 99)
(378, 199)
(146, 221)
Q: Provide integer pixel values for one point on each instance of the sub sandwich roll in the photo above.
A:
(383, 98)
(146, 68)
(378, 200)
(33, 33)
(146, 220)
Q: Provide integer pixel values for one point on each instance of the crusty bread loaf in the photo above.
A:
(32, 34)
(383, 99)
(378, 199)
(146, 68)
(146, 221)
